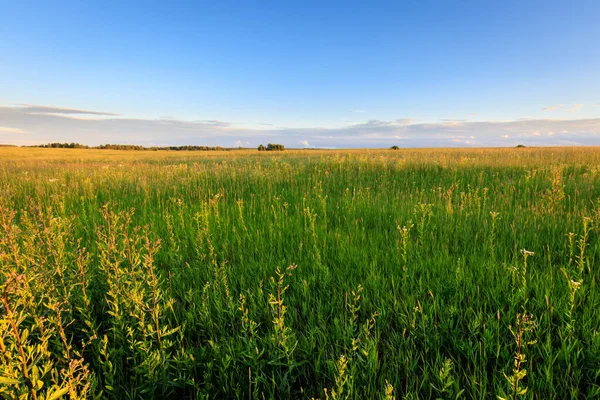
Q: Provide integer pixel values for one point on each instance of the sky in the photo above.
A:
(305, 74)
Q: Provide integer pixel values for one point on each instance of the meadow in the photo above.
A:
(367, 274)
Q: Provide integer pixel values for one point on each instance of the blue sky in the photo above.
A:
(335, 74)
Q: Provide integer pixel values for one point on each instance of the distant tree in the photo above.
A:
(394, 147)
(520, 146)
(63, 146)
(275, 147)
(261, 147)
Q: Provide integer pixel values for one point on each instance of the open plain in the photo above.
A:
(421, 273)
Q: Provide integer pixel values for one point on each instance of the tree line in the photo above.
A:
(128, 147)
(269, 147)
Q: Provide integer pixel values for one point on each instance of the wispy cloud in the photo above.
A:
(572, 108)
(212, 122)
(453, 122)
(33, 127)
(575, 107)
(37, 109)
(359, 111)
(552, 108)
(7, 129)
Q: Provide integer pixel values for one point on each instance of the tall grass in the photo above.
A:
(312, 274)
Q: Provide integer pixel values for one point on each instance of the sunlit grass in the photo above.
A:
(328, 274)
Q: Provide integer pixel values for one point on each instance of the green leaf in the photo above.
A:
(9, 381)
(24, 335)
(58, 394)
(522, 392)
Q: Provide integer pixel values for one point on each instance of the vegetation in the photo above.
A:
(275, 147)
(128, 147)
(394, 147)
(271, 147)
(329, 274)
(63, 146)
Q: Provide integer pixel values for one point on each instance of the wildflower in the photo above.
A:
(574, 284)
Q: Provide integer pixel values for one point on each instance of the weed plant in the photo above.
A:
(300, 274)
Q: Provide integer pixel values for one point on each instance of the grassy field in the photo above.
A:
(300, 274)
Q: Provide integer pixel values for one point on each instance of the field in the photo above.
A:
(300, 274)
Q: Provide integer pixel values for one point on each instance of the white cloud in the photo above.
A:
(49, 127)
(536, 133)
(37, 109)
(452, 122)
(552, 108)
(359, 111)
(575, 107)
(7, 129)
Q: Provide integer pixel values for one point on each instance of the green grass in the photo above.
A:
(325, 274)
